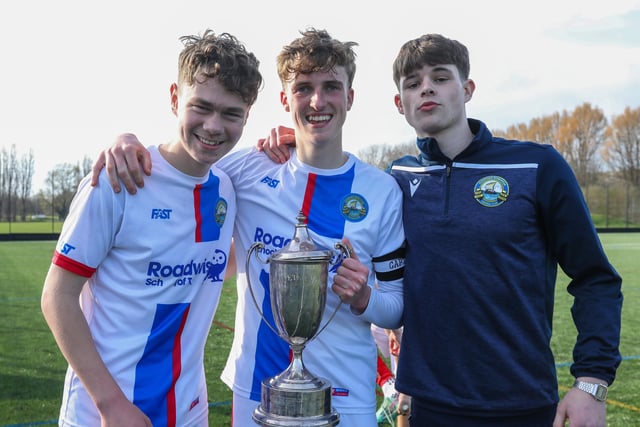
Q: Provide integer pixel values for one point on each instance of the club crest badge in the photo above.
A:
(491, 191)
(221, 212)
(354, 207)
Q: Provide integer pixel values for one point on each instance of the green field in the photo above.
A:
(33, 369)
(44, 226)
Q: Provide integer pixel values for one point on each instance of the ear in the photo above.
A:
(173, 90)
(469, 87)
(398, 102)
(350, 95)
(285, 101)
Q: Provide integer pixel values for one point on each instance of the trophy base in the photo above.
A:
(290, 403)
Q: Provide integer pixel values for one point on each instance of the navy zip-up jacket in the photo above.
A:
(485, 235)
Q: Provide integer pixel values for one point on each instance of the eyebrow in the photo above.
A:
(215, 105)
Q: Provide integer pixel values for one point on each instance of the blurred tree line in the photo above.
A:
(604, 155)
(17, 203)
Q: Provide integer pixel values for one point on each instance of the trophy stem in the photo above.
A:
(296, 370)
(296, 397)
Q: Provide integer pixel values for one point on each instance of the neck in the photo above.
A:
(452, 141)
(321, 155)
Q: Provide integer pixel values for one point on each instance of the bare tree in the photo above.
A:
(381, 155)
(84, 167)
(24, 177)
(622, 148)
(8, 181)
(62, 183)
(4, 170)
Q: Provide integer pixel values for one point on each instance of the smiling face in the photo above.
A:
(433, 98)
(318, 103)
(210, 123)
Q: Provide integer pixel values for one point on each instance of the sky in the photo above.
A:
(77, 73)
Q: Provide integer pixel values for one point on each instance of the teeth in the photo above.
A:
(322, 118)
(208, 141)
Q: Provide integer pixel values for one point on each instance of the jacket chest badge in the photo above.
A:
(491, 191)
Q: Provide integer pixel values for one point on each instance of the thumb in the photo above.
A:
(351, 253)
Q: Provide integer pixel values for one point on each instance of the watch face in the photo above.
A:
(601, 393)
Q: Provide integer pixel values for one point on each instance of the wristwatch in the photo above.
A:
(598, 391)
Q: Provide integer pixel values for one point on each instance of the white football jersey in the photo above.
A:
(155, 264)
(356, 201)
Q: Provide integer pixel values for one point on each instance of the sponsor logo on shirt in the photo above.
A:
(160, 213)
(66, 248)
(272, 242)
(491, 191)
(159, 274)
(414, 184)
(273, 183)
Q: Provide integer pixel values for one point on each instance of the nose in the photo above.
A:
(427, 89)
(317, 100)
(213, 124)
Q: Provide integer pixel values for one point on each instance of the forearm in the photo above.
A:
(62, 312)
(385, 305)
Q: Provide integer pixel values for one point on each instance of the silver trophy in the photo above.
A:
(298, 276)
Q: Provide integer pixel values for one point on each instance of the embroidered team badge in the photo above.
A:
(354, 207)
(491, 191)
(221, 212)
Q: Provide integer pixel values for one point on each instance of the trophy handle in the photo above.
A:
(254, 247)
(344, 250)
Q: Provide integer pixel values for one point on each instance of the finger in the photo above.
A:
(343, 292)
(112, 174)
(279, 153)
(352, 253)
(135, 169)
(266, 144)
(97, 167)
(122, 171)
(146, 162)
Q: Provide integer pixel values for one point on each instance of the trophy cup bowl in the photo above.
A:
(298, 276)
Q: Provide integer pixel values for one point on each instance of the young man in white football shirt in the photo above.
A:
(135, 281)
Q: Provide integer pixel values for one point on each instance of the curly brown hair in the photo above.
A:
(222, 57)
(316, 51)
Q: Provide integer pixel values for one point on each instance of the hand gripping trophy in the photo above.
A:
(298, 276)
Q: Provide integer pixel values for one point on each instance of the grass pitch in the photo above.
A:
(33, 368)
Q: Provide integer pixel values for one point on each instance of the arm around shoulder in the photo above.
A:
(126, 161)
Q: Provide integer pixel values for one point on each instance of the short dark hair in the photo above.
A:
(430, 49)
